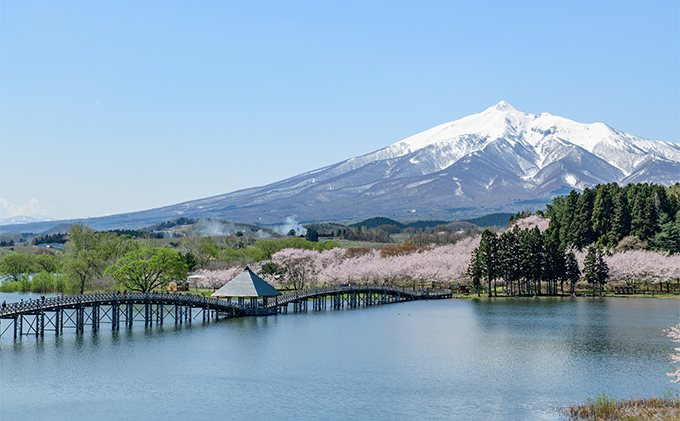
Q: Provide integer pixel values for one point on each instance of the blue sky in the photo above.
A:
(112, 107)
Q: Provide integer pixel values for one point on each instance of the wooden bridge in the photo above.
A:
(75, 312)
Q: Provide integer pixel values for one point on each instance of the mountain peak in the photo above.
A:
(503, 106)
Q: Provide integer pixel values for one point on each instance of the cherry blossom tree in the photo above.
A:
(533, 221)
(298, 266)
(216, 278)
(673, 333)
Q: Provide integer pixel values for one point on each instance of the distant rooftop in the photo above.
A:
(246, 284)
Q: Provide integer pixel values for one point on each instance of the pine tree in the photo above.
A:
(572, 273)
(533, 258)
(566, 215)
(602, 213)
(620, 226)
(510, 257)
(668, 238)
(488, 253)
(650, 219)
(554, 262)
(581, 227)
(596, 271)
(474, 270)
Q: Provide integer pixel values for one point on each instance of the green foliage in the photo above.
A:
(190, 260)
(171, 224)
(603, 405)
(137, 234)
(146, 269)
(606, 214)
(475, 269)
(312, 235)
(15, 265)
(47, 262)
(595, 270)
(377, 222)
(493, 219)
(81, 269)
(9, 286)
(50, 239)
(44, 282)
(668, 238)
(24, 282)
(523, 259)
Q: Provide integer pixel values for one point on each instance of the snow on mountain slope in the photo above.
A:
(530, 139)
(498, 160)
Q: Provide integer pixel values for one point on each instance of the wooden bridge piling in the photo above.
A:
(94, 309)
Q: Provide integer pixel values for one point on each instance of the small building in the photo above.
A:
(249, 285)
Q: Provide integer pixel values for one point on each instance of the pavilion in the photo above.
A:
(248, 285)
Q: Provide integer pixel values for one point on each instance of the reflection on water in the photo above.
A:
(451, 359)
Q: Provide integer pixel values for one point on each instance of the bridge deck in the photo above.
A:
(55, 313)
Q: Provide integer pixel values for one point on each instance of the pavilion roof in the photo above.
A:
(246, 284)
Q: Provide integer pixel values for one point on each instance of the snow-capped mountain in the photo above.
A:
(22, 220)
(499, 159)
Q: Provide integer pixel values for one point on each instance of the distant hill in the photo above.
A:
(378, 222)
(494, 219)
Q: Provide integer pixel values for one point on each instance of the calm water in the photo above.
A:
(514, 359)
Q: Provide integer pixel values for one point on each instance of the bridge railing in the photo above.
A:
(348, 289)
(53, 303)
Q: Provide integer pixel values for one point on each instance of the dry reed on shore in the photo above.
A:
(605, 408)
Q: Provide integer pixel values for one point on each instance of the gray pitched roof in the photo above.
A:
(246, 284)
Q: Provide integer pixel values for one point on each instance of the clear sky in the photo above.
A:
(112, 107)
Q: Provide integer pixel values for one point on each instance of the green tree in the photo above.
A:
(207, 250)
(16, 264)
(475, 270)
(146, 269)
(47, 262)
(510, 257)
(601, 218)
(533, 259)
(668, 238)
(312, 235)
(620, 225)
(566, 217)
(554, 262)
(596, 271)
(190, 260)
(82, 269)
(488, 253)
(83, 238)
(582, 227)
(572, 271)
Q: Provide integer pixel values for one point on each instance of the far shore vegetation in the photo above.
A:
(606, 240)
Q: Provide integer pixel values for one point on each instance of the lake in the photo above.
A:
(488, 359)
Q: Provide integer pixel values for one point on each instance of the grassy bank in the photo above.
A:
(605, 408)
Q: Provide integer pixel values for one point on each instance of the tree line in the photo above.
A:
(523, 259)
(607, 213)
(107, 260)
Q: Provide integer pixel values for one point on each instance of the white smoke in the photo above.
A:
(290, 224)
(210, 227)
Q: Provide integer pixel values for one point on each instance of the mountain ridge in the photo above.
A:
(498, 160)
